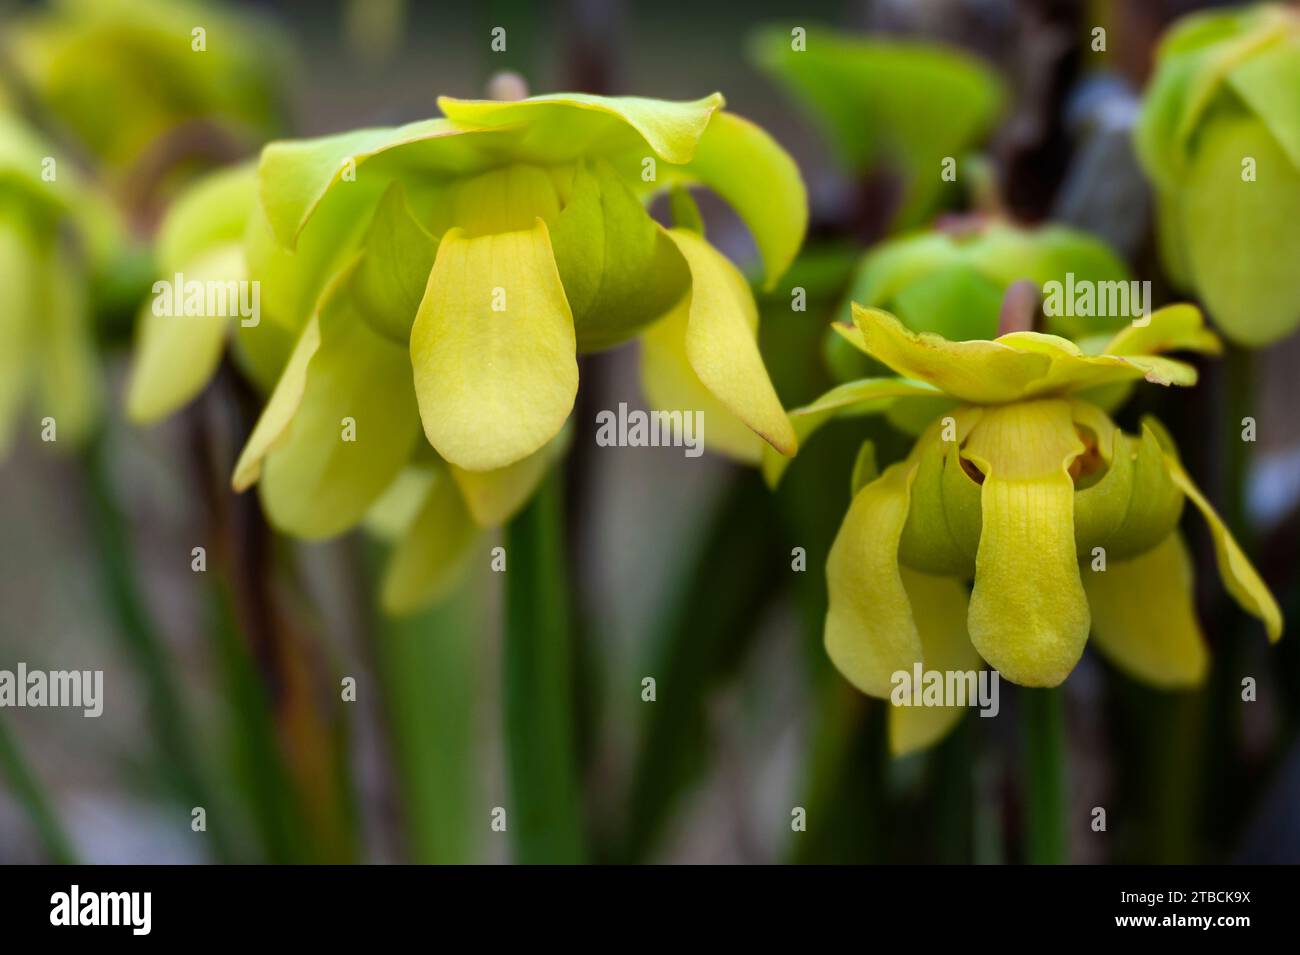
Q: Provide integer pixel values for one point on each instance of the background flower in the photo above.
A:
(1220, 138)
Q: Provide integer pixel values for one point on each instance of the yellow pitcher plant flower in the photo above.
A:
(54, 231)
(205, 242)
(1065, 523)
(442, 277)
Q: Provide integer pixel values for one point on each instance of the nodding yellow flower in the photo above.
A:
(1066, 524)
(441, 279)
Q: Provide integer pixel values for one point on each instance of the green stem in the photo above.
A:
(33, 798)
(141, 642)
(1043, 712)
(255, 758)
(427, 664)
(545, 816)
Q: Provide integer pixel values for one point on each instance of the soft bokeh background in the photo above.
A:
(680, 566)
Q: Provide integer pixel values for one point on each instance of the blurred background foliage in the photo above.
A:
(224, 688)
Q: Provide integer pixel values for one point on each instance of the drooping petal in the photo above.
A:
(870, 629)
(393, 512)
(493, 348)
(1028, 612)
(493, 497)
(348, 438)
(286, 396)
(1239, 577)
(939, 608)
(1144, 616)
(432, 555)
(279, 410)
(769, 197)
(176, 354)
(563, 123)
(722, 342)
(671, 384)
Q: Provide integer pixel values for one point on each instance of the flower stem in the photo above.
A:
(545, 816)
(1043, 713)
(428, 666)
(141, 641)
(33, 798)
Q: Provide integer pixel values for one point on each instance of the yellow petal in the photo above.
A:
(722, 342)
(352, 432)
(494, 349)
(870, 630)
(287, 395)
(1028, 612)
(432, 556)
(1172, 328)
(393, 512)
(976, 371)
(671, 384)
(939, 608)
(280, 409)
(1239, 577)
(1144, 616)
(770, 196)
(176, 355)
(493, 497)
(1014, 367)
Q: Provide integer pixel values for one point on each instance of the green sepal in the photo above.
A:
(390, 279)
(619, 270)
